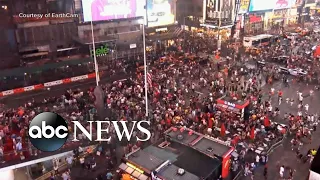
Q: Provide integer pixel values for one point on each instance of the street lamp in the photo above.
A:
(219, 27)
(142, 23)
(94, 55)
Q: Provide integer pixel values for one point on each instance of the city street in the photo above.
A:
(284, 155)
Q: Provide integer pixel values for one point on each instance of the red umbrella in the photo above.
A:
(181, 129)
(266, 121)
(223, 130)
(252, 135)
(190, 133)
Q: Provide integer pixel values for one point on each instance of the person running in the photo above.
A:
(291, 172)
(265, 172)
(291, 102)
(281, 172)
(306, 107)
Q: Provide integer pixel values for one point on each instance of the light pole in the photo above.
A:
(184, 27)
(219, 27)
(145, 67)
(94, 55)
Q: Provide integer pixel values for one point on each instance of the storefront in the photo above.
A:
(279, 17)
(161, 38)
(292, 16)
(224, 32)
(309, 9)
(254, 23)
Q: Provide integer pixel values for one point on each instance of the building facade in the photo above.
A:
(255, 17)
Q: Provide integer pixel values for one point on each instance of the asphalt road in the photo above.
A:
(284, 155)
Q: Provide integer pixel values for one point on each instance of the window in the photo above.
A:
(265, 40)
(255, 43)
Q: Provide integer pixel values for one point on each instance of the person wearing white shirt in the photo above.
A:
(18, 146)
(65, 176)
(272, 90)
(257, 160)
(281, 171)
(306, 107)
(69, 160)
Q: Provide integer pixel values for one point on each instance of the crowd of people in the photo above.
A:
(182, 91)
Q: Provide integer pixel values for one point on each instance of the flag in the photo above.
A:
(266, 122)
(149, 79)
(223, 130)
(252, 135)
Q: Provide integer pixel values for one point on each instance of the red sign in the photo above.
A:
(226, 163)
(254, 18)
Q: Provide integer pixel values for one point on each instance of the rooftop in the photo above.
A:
(145, 160)
(186, 138)
(170, 173)
(217, 149)
(182, 149)
(198, 141)
(194, 161)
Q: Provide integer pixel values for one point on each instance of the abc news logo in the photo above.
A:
(49, 131)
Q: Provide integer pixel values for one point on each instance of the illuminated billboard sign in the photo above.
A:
(160, 12)
(100, 10)
(102, 50)
(217, 10)
(258, 5)
(244, 6)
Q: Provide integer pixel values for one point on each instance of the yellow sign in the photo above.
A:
(244, 5)
(135, 168)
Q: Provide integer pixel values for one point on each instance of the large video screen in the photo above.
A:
(100, 10)
(260, 5)
(160, 12)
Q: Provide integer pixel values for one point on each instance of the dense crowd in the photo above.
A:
(182, 92)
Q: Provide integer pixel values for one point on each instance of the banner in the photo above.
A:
(160, 12)
(258, 5)
(244, 6)
(310, 1)
(101, 10)
(219, 10)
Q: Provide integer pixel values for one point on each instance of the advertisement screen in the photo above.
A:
(100, 10)
(160, 12)
(258, 5)
(212, 16)
(244, 5)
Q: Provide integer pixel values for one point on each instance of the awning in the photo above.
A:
(213, 26)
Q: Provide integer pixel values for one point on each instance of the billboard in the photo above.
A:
(160, 12)
(218, 9)
(244, 6)
(310, 1)
(258, 5)
(100, 10)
